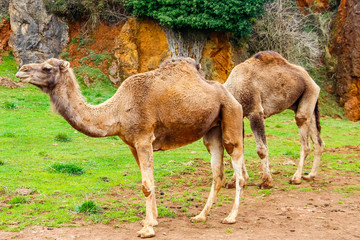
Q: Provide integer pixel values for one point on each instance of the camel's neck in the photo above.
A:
(94, 121)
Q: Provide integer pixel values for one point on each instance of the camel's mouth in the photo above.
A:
(24, 78)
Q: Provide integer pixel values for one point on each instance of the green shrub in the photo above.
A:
(18, 200)
(10, 105)
(68, 168)
(62, 137)
(2, 162)
(230, 15)
(88, 207)
(94, 73)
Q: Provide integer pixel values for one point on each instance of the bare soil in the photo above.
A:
(313, 210)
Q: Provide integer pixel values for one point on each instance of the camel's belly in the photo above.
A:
(180, 134)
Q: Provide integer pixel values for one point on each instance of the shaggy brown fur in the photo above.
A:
(267, 84)
(158, 110)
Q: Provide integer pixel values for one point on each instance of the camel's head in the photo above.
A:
(43, 75)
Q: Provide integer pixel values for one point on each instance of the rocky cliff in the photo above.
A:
(36, 35)
(345, 45)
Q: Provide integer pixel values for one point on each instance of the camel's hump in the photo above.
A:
(269, 57)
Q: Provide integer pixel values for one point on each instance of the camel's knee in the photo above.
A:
(301, 119)
(262, 151)
(146, 188)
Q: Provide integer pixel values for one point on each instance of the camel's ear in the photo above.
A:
(198, 67)
(64, 65)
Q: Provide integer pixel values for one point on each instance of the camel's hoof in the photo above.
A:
(266, 185)
(198, 219)
(295, 181)
(150, 223)
(146, 232)
(308, 178)
(230, 184)
(228, 220)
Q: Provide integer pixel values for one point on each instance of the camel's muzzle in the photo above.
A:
(24, 78)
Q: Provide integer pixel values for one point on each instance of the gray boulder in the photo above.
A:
(36, 35)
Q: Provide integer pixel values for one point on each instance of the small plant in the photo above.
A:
(62, 137)
(229, 230)
(10, 105)
(7, 133)
(65, 55)
(88, 207)
(69, 168)
(18, 200)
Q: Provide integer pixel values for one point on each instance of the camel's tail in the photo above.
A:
(317, 116)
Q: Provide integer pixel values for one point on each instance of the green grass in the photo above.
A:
(88, 207)
(30, 154)
(18, 200)
(62, 137)
(68, 168)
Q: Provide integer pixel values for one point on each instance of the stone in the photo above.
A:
(36, 35)
(23, 191)
(8, 83)
(345, 46)
(5, 31)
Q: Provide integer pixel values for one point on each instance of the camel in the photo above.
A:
(158, 110)
(267, 84)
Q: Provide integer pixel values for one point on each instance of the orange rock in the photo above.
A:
(5, 31)
(216, 58)
(345, 45)
(319, 5)
(140, 47)
(352, 108)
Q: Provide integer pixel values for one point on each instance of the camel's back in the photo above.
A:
(269, 80)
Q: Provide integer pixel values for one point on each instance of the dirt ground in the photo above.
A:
(313, 210)
(319, 214)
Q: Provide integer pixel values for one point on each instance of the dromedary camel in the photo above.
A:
(267, 84)
(158, 110)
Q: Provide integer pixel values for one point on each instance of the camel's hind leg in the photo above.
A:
(232, 129)
(303, 117)
(319, 146)
(143, 153)
(213, 143)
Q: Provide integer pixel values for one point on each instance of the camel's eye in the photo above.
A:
(46, 69)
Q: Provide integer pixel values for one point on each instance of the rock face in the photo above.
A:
(316, 4)
(5, 32)
(346, 46)
(141, 46)
(36, 35)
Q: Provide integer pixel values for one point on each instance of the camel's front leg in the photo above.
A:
(257, 125)
(144, 153)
